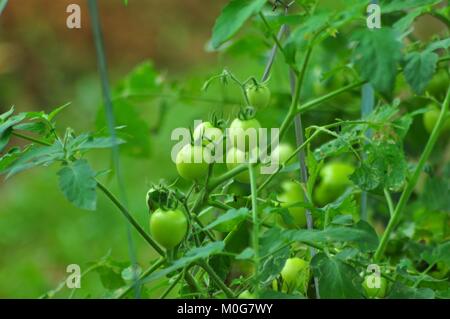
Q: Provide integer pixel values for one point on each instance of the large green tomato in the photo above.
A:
(168, 227)
(208, 133)
(295, 275)
(258, 95)
(334, 181)
(375, 292)
(430, 118)
(237, 130)
(292, 193)
(185, 161)
(235, 157)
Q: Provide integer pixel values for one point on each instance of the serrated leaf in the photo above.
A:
(110, 278)
(385, 165)
(77, 182)
(189, 257)
(337, 280)
(232, 18)
(36, 127)
(35, 156)
(441, 44)
(419, 69)
(361, 235)
(389, 6)
(10, 122)
(247, 253)
(400, 291)
(231, 218)
(56, 111)
(376, 57)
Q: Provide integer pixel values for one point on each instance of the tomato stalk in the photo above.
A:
(412, 182)
(255, 220)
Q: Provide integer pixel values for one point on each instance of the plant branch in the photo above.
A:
(412, 182)
(255, 219)
(217, 280)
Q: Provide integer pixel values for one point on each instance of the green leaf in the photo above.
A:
(361, 235)
(419, 69)
(4, 138)
(441, 44)
(441, 253)
(7, 114)
(389, 6)
(87, 142)
(230, 219)
(436, 194)
(337, 280)
(190, 256)
(247, 253)
(232, 18)
(3, 4)
(35, 127)
(10, 122)
(77, 182)
(110, 278)
(376, 57)
(56, 111)
(385, 166)
(400, 291)
(404, 23)
(271, 294)
(35, 156)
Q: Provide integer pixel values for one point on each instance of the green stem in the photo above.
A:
(422, 275)
(255, 219)
(31, 139)
(412, 182)
(130, 219)
(313, 103)
(389, 201)
(174, 283)
(144, 275)
(217, 280)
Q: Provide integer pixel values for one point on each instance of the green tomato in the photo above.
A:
(438, 85)
(292, 193)
(431, 117)
(295, 275)
(186, 165)
(258, 95)
(246, 295)
(284, 151)
(234, 158)
(168, 227)
(374, 292)
(240, 132)
(208, 133)
(334, 181)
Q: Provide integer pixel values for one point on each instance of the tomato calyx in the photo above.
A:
(160, 196)
(247, 113)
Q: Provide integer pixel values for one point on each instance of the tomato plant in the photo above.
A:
(364, 169)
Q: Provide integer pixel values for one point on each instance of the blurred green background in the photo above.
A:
(43, 64)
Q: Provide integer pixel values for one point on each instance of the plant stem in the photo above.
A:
(131, 219)
(389, 201)
(412, 182)
(313, 103)
(255, 220)
(174, 283)
(31, 139)
(217, 280)
(145, 274)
